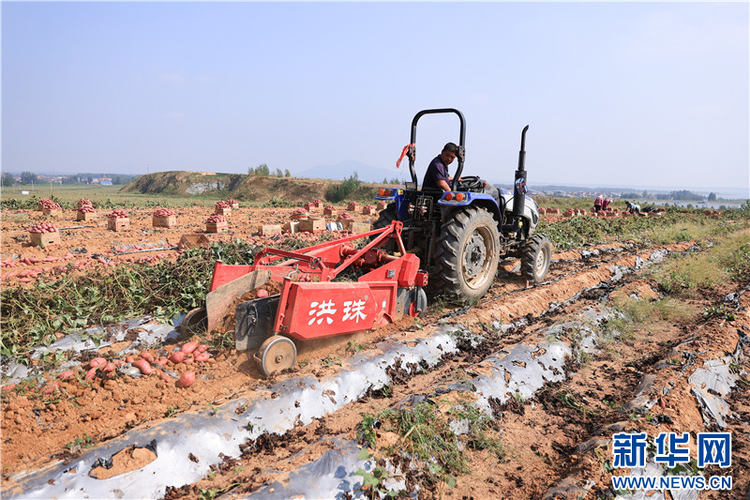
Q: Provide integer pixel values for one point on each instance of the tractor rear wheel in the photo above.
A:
(467, 254)
(535, 258)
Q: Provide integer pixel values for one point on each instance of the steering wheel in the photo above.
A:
(470, 182)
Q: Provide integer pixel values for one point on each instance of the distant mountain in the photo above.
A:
(344, 169)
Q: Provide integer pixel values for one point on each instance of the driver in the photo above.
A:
(437, 176)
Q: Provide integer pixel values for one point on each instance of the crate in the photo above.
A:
(359, 227)
(52, 213)
(86, 216)
(381, 205)
(329, 212)
(353, 205)
(269, 229)
(217, 227)
(369, 211)
(312, 225)
(45, 239)
(119, 224)
(169, 221)
(223, 211)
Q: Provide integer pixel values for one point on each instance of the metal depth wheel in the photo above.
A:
(277, 353)
(536, 258)
(468, 253)
(195, 321)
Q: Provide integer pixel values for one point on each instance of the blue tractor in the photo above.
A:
(461, 234)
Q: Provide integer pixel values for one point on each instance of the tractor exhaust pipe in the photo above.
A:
(519, 184)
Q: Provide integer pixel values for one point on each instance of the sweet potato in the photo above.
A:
(177, 357)
(190, 347)
(144, 366)
(96, 362)
(186, 380)
(147, 356)
(202, 356)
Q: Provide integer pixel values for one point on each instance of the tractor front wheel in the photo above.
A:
(467, 254)
(387, 215)
(535, 258)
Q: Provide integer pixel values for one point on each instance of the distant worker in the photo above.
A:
(606, 203)
(598, 202)
(437, 176)
(633, 208)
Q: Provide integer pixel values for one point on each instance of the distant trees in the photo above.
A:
(261, 170)
(341, 192)
(7, 179)
(712, 197)
(29, 178)
(685, 195)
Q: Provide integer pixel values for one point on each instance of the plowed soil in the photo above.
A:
(547, 438)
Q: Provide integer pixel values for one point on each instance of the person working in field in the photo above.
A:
(633, 208)
(598, 203)
(437, 176)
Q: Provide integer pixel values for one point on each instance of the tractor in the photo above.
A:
(461, 235)
(458, 236)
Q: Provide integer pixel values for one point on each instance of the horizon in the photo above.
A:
(614, 93)
(725, 192)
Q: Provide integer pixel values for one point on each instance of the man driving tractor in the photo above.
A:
(437, 176)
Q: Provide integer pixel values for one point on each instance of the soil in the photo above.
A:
(556, 439)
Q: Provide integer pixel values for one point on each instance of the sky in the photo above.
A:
(616, 94)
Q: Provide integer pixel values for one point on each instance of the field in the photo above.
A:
(640, 327)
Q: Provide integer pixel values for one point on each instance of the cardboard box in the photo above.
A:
(52, 213)
(217, 227)
(223, 211)
(45, 239)
(353, 205)
(329, 212)
(369, 211)
(359, 227)
(269, 229)
(119, 224)
(381, 205)
(235, 205)
(193, 241)
(291, 227)
(312, 225)
(346, 224)
(86, 216)
(169, 221)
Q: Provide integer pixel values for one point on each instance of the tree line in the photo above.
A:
(8, 179)
(264, 171)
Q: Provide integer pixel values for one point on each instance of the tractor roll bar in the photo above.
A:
(461, 143)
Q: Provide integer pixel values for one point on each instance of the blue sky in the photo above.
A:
(616, 94)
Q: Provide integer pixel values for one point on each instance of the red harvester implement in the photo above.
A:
(311, 304)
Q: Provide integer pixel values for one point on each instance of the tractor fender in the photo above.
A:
(483, 200)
